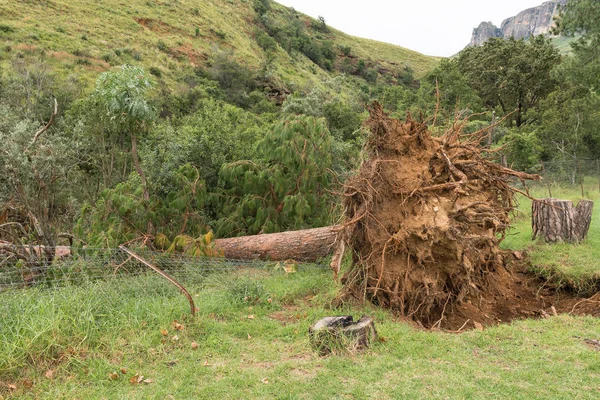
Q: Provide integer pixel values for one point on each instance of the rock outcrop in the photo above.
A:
(533, 21)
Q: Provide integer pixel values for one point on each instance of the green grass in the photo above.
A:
(251, 331)
(86, 37)
(572, 266)
(563, 43)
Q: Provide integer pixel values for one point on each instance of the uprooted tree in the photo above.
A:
(424, 218)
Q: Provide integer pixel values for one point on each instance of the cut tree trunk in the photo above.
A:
(557, 220)
(304, 245)
(332, 334)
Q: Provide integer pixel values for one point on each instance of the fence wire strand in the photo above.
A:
(88, 265)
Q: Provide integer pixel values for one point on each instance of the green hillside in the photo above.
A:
(85, 37)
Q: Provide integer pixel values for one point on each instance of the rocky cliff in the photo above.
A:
(533, 21)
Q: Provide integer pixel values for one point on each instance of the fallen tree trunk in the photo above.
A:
(557, 220)
(304, 245)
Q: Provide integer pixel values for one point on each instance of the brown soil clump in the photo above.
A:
(424, 219)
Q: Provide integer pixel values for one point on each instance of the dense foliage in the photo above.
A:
(286, 187)
(237, 150)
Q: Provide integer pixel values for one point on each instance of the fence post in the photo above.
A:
(545, 176)
(580, 178)
(598, 173)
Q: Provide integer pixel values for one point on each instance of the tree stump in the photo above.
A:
(332, 334)
(557, 220)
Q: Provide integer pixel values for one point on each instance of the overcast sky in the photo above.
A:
(432, 27)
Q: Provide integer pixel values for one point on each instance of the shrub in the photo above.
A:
(361, 67)
(370, 75)
(262, 6)
(81, 53)
(6, 28)
(162, 46)
(319, 25)
(155, 71)
(266, 42)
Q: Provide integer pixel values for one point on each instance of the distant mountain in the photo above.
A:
(533, 21)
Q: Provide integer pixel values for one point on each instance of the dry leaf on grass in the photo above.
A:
(113, 376)
(164, 332)
(137, 378)
(250, 316)
(175, 338)
(206, 364)
(265, 380)
(12, 386)
(177, 326)
(123, 371)
(194, 345)
(249, 337)
(49, 374)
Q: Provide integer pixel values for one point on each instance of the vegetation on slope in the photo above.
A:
(171, 38)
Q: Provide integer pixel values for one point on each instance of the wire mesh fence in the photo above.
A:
(111, 269)
(581, 175)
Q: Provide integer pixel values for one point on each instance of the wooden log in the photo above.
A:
(304, 245)
(556, 220)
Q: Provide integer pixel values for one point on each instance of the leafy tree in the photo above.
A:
(285, 188)
(122, 97)
(215, 134)
(234, 79)
(581, 17)
(121, 214)
(511, 74)
(37, 159)
(453, 87)
(261, 6)
(570, 120)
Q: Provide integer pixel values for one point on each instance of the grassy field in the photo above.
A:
(571, 266)
(249, 340)
(83, 38)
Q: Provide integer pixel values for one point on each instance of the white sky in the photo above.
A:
(432, 27)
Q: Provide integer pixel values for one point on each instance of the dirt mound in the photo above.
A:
(424, 218)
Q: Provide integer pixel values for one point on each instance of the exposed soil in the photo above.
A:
(156, 25)
(515, 294)
(424, 219)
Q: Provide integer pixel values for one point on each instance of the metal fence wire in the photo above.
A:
(114, 268)
(580, 174)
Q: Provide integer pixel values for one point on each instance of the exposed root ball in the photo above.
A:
(424, 218)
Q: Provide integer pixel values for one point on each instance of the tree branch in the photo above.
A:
(45, 128)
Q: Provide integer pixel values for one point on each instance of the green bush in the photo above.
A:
(266, 42)
(6, 28)
(162, 46)
(285, 188)
(155, 71)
